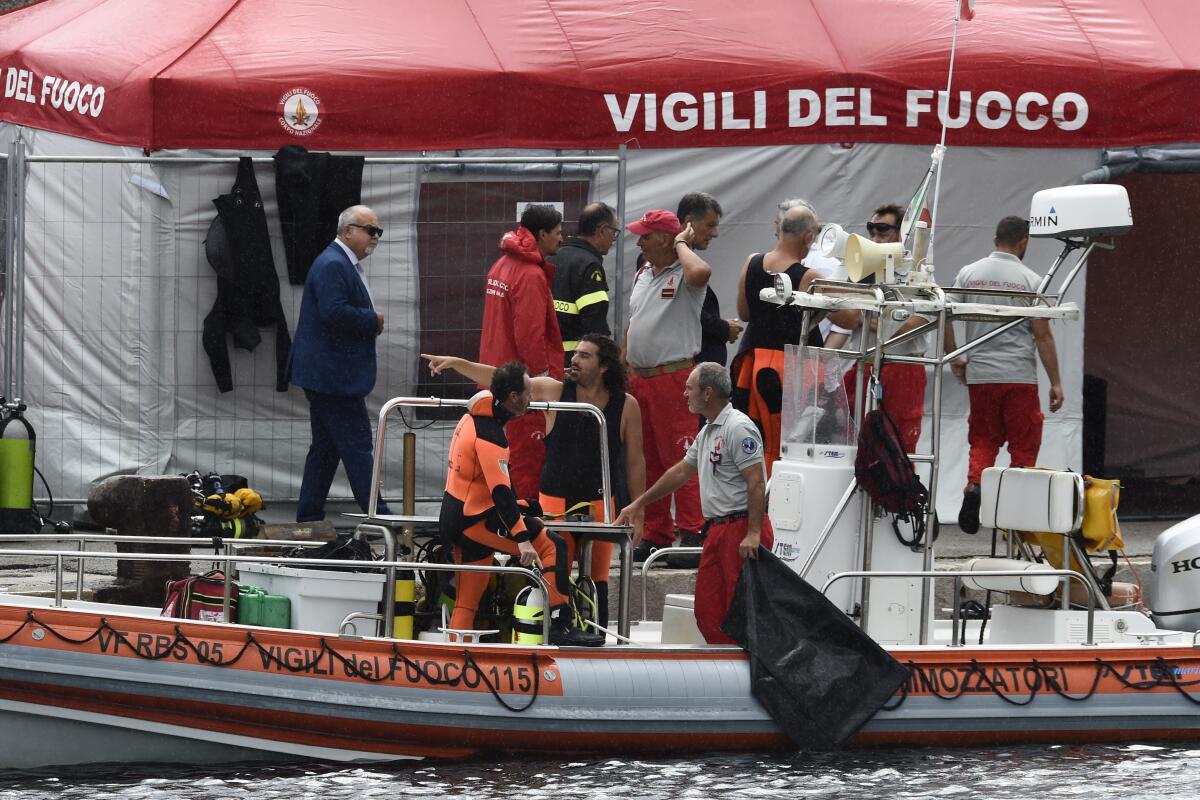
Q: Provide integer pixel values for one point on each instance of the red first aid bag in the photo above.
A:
(200, 597)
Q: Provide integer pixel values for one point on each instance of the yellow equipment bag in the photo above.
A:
(1101, 530)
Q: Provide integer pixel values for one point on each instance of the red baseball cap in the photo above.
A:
(656, 219)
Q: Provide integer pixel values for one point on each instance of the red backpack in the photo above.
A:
(885, 472)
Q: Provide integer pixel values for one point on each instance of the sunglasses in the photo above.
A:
(881, 227)
(371, 230)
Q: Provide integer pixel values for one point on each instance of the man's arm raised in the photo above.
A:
(696, 270)
(546, 390)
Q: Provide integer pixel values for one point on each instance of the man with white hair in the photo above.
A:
(333, 361)
(758, 369)
(728, 457)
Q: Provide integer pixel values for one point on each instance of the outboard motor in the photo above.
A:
(17, 442)
(1175, 567)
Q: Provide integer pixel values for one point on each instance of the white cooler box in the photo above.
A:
(321, 598)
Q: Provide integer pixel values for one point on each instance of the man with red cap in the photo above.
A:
(519, 324)
(661, 339)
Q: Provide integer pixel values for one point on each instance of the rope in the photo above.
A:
(1163, 671)
(349, 665)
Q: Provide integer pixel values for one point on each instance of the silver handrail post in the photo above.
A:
(79, 568)
(935, 448)
(58, 581)
(227, 588)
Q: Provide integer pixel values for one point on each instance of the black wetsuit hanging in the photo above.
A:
(238, 248)
(312, 189)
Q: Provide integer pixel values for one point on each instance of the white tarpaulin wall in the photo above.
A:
(117, 288)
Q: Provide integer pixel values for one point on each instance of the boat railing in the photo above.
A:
(62, 556)
(655, 556)
(384, 524)
(928, 576)
(215, 542)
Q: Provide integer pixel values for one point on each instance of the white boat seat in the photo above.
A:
(1020, 499)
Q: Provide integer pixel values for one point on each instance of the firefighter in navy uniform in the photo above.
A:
(480, 515)
(580, 284)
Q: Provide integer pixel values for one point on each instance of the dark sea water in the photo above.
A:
(1130, 772)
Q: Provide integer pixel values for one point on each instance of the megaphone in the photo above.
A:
(864, 257)
(832, 241)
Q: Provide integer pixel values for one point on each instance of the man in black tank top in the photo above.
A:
(571, 481)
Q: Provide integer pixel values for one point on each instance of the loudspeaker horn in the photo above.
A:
(864, 257)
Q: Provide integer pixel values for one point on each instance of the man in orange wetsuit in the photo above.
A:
(571, 478)
(480, 515)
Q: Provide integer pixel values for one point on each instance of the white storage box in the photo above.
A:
(679, 620)
(321, 598)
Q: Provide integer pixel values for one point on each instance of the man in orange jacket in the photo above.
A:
(519, 324)
(480, 515)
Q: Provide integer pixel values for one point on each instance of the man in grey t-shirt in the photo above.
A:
(1001, 374)
(728, 457)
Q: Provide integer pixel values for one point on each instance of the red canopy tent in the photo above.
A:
(392, 75)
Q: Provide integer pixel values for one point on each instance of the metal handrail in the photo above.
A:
(928, 576)
(439, 402)
(657, 554)
(85, 538)
(60, 556)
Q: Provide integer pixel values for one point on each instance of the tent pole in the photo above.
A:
(619, 283)
(187, 161)
(14, 251)
(16, 171)
(6, 287)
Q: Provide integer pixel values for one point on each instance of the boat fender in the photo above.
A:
(1031, 582)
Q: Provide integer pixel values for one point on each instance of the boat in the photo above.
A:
(86, 682)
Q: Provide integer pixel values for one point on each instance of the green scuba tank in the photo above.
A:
(17, 441)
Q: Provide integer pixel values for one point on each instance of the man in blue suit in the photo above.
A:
(333, 360)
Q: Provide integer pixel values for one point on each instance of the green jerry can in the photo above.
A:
(256, 607)
(250, 605)
(276, 611)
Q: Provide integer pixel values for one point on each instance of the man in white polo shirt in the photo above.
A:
(727, 455)
(660, 341)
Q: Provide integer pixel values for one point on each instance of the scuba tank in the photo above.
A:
(528, 611)
(405, 597)
(17, 444)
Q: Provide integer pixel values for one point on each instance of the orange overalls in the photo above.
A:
(480, 515)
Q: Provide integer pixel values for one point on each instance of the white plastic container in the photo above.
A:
(321, 598)
(679, 620)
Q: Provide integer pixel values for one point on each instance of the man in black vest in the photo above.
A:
(571, 482)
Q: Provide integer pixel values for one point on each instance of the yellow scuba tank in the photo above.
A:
(17, 445)
(406, 595)
(529, 611)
